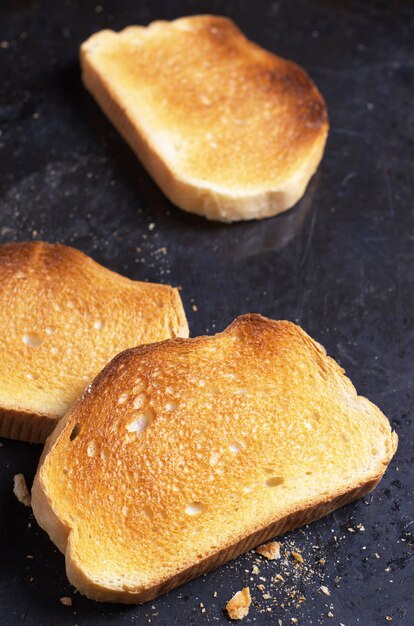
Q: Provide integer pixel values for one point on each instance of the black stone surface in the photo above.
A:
(340, 264)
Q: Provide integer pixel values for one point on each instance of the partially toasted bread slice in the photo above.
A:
(183, 454)
(63, 317)
(227, 129)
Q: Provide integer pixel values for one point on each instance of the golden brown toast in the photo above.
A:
(63, 317)
(183, 454)
(227, 129)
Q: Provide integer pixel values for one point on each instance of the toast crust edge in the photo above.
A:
(23, 425)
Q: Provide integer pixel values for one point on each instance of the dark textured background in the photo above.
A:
(340, 264)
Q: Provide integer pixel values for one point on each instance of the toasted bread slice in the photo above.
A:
(63, 317)
(183, 454)
(227, 129)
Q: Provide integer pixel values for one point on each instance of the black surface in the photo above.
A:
(340, 264)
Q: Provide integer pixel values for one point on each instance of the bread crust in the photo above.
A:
(305, 510)
(262, 137)
(58, 311)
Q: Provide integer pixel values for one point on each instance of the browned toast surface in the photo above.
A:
(63, 317)
(182, 454)
(226, 128)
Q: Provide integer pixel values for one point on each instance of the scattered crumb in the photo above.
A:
(202, 607)
(260, 587)
(255, 570)
(151, 226)
(267, 596)
(20, 490)
(29, 556)
(377, 556)
(297, 556)
(238, 606)
(4, 44)
(322, 561)
(195, 308)
(351, 530)
(66, 601)
(294, 620)
(387, 569)
(325, 590)
(270, 550)
(215, 594)
(279, 577)
(388, 618)
(330, 614)
(98, 8)
(361, 528)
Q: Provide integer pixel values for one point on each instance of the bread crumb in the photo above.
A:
(20, 490)
(66, 601)
(4, 44)
(238, 606)
(266, 596)
(151, 226)
(322, 561)
(330, 614)
(377, 556)
(270, 550)
(29, 556)
(279, 577)
(215, 594)
(195, 308)
(260, 587)
(294, 620)
(297, 556)
(325, 590)
(255, 569)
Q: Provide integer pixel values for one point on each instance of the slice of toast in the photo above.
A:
(226, 129)
(63, 317)
(184, 454)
